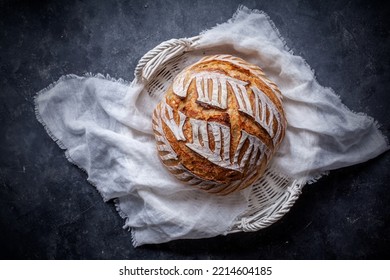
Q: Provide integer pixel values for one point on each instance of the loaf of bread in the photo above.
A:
(219, 124)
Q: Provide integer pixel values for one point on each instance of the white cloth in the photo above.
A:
(105, 127)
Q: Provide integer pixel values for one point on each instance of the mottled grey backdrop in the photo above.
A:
(49, 211)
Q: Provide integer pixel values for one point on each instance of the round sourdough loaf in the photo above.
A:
(219, 124)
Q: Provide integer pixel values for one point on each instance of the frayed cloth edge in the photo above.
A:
(49, 132)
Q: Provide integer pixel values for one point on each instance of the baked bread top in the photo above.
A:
(219, 124)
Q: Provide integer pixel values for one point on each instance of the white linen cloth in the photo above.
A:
(105, 127)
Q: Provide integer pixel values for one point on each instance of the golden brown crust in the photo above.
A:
(190, 110)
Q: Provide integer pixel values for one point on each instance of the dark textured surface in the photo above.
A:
(49, 211)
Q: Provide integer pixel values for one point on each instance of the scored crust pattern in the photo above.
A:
(219, 124)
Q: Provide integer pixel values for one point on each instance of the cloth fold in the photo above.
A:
(105, 127)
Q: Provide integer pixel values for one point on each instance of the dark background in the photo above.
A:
(49, 211)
